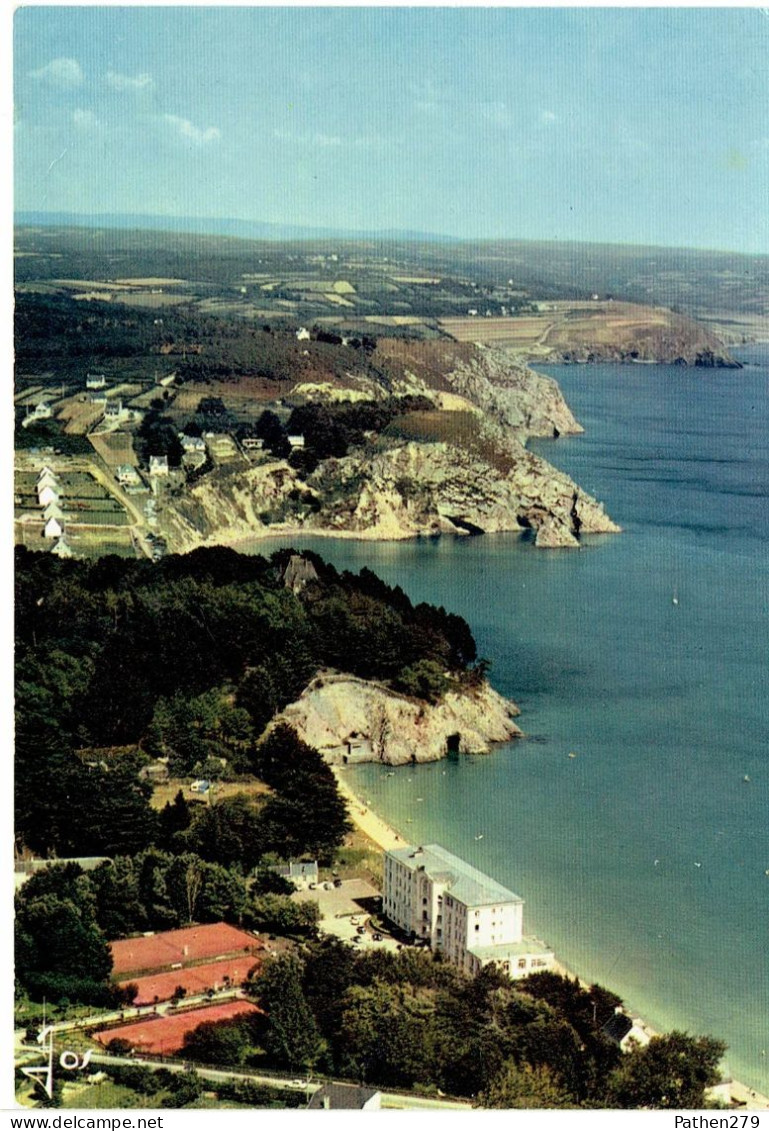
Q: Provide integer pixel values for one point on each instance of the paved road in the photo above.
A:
(399, 1100)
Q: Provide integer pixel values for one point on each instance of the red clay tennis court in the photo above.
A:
(195, 979)
(190, 944)
(166, 1034)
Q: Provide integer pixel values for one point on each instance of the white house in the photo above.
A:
(42, 411)
(53, 528)
(127, 475)
(47, 495)
(46, 478)
(158, 465)
(192, 443)
(296, 441)
(302, 334)
(62, 548)
(53, 510)
(473, 919)
(113, 409)
(95, 381)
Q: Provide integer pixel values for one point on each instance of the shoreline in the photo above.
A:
(386, 837)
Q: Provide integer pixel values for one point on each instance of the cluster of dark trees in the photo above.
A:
(330, 430)
(157, 436)
(100, 644)
(409, 1020)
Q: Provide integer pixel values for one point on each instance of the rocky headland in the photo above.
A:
(462, 468)
(352, 720)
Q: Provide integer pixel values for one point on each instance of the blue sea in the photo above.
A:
(643, 860)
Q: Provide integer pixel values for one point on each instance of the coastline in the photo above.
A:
(386, 837)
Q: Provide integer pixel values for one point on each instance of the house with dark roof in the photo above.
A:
(346, 1097)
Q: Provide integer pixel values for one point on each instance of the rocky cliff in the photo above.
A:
(465, 469)
(352, 720)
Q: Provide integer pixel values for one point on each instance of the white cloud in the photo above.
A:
(326, 140)
(85, 120)
(189, 132)
(63, 73)
(127, 83)
(496, 113)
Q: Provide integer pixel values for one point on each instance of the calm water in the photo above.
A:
(643, 859)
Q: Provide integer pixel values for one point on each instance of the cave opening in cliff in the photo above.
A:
(452, 743)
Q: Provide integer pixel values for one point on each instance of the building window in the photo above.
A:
(521, 963)
(477, 926)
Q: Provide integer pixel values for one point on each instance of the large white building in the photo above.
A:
(474, 920)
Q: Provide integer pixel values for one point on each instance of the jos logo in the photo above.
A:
(43, 1073)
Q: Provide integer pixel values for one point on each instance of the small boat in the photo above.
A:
(479, 837)
(572, 754)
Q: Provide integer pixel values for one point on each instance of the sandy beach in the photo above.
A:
(384, 835)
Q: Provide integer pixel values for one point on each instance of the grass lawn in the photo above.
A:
(358, 858)
(105, 1095)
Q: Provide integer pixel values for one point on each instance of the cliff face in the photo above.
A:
(352, 720)
(481, 480)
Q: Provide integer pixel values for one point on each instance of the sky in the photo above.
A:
(645, 126)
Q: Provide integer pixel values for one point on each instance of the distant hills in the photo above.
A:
(215, 226)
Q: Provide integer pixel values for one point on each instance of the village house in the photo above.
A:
(53, 510)
(53, 529)
(296, 441)
(47, 478)
(158, 465)
(471, 918)
(62, 549)
(192, 443)
(95, 381)
(302, 334)
(252, 444)
(127, 476)
(42, 411)
(47, 495)
(113, 410)
(345, 1097)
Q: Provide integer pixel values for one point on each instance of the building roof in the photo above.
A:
(617, 1027)
(347, 1097)
(466, 883)
(500, 951)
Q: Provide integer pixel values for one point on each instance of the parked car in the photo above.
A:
(377, 937)
(337, 883)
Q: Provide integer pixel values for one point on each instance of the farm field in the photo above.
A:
(79, 414)
(115, 448)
